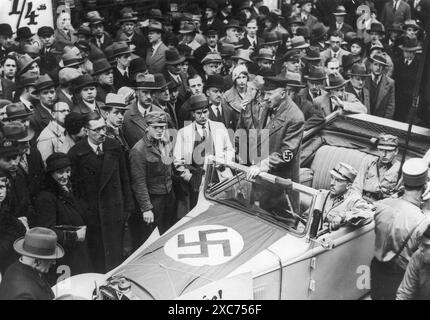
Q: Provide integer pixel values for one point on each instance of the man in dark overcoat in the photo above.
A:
(101, 180)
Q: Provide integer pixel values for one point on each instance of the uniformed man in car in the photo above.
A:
(378, 179)
(342, 204)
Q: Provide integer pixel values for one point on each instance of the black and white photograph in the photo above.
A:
(212, 150)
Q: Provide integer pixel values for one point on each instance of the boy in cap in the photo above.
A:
(378, 179)
(151, 174)
(342, 204)
(48, 61)
(207, 137)
(399, 224)
(415, 283)
(26, 278)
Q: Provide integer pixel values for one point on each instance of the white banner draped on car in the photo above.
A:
(26, 13)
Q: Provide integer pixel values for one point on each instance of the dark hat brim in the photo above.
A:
(378, 61)
(307, 77)
(199, 105)
(337, 86)
(95, 73)
(18, 246)
(45, 86)
(27, 66)
(83, 85)
(416, 48)
(177, 61)
(311, 58)
(243, 58)
(30, 135)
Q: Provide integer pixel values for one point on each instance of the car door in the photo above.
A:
(340, 266)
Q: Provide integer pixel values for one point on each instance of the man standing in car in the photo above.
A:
(399, 224)
(378, 179)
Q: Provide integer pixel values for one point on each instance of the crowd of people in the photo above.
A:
(106, 123)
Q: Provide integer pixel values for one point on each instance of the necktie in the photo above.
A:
(126, 75)
(205, 134)
(99, 151)
(218, 114)
(395, 6)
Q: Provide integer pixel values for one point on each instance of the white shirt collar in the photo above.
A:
(70, 96)
(143, 110)
(122, 71)
(251, 40)
(177, 77)
(200, 128)
(94, 146)
(92, 106)
(214, 108)
(155, 46)
(26, 103)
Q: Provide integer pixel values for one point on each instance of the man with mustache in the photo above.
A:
(378, 179)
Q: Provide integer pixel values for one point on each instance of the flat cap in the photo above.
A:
(199, 101)
(415, 172)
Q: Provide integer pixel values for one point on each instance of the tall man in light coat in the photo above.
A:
(156, 53)
(195, 142)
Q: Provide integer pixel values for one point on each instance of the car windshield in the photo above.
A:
(271, 198)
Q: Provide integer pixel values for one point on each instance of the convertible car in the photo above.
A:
(261, 239)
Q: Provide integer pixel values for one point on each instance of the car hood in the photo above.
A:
(203, 250)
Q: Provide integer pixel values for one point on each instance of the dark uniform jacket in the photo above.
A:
(102, 183)
(22, 282)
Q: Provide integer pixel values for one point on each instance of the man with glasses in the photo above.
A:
(207, 138)
(101, 180)
(53, 137)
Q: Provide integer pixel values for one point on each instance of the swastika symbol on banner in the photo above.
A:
(204, 245)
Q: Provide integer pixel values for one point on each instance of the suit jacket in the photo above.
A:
(40, 119)
(345, 28)
(304, 94)
(103, 186)
(107, 42)
(22, 282)
(182, 87)
(134, 124)
(184, 147)
(63, 98)
(157, 61)
(309, 23)
(385, 101)
(48, 63)
(366, 95)
(139, 42)
(7, 89)
(119, 80)
(36, 171)
(350, 104)
(285, 136)
(389, 16)
(326, 54)
(246, 44)
(65, 39)
(228, 116)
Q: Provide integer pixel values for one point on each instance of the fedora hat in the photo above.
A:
(291, 55)
(265, 54)
(226, 50)
(411, 24)
(336, 81)
(274, 82)
(83, 81)
(44, 82)
(397, 27)
(359, 69)
(377, 27)
(94, 17)
(56, 161)
(340, 11)
(298, 42)
(312, 54)
(137, 65)
(295, 20)
(270, 38)
(100, 66)
(212, 4)
(84, 30)
(71, 59)
(17, 131)
(233, 23)
(155, 14)
(212, 58)
(214, 81)
(115, 101)
(410, 45)
(293, 80)
(127, 17)
(24, 62)
(15, 111)
(379, 59)
(173, 57)
(348, 60)
(318, 31)
(156, 26)
(188, 28)
(26, 81)
(9, 148)
(67, 75)
(5, 29)
(23, 33)
(199, 101)
(160, 81)
(40, 243)
(120, 48)
(242, 54)
(316, 74)
(31, 50)
(145, 82)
